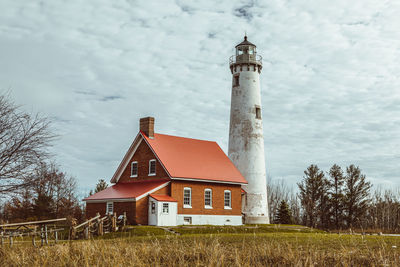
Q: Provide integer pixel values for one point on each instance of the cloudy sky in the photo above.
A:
(330, 82)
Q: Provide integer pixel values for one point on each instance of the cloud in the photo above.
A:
(329, 81)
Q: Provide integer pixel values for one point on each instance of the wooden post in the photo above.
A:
(11, 241)
(114, 222)
(125, 221)
(55, 237)
(89, 225)
(45, 234)
(42, 235)
(2, 241)
(72, 231)
(33, 241)
(99, 227)
(86, 231)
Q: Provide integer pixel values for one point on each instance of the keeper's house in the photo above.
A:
(168, 180)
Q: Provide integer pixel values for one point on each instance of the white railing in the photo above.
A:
(245, 59)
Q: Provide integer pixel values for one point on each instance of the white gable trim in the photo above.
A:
(205, 181)
(129, 154)
(125, 161)
(152, 191)
(127, 199)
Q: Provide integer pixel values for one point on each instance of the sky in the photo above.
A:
(330, 80)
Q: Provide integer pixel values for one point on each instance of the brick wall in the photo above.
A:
(198, 198)
(128, 207)
(119, 207)
(142, 155)
(93, 208)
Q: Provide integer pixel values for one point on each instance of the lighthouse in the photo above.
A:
(246, 140)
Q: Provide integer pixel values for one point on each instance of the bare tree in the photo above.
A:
(24, 142)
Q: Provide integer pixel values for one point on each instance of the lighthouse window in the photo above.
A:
(236, 80)
(258, 113)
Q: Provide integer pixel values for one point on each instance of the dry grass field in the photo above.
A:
(212, 246)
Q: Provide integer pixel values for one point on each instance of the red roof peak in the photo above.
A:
(194, 159)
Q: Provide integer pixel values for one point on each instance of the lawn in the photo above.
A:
(213, 246)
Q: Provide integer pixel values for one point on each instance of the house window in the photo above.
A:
(165, 208)
(134, 169)
(152, 167)
(227, 199)
(110, 208)
(236, 80)
(187, 197)
(207, 198)
(187, 220)
(153, 207)
(258, 113)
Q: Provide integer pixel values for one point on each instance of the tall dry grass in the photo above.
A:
(229, 250)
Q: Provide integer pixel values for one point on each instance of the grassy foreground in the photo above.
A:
(149, 246)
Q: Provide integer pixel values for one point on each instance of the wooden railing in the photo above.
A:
(47, 230)
(13, 230)
(97, 226)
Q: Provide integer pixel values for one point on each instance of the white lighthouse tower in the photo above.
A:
(246, 140)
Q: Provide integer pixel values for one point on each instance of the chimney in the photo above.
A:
(147, 126)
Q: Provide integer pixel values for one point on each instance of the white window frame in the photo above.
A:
(187, 220)
(108, 207)
(187, 206)
(163, 208)
(205, 205)
(155, 166)
(230, 200)
(137, 169)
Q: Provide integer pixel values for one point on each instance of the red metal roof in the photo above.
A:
(194, 159)
(131, 190)
(163, 198)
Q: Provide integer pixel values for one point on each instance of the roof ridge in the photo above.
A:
(195, 139)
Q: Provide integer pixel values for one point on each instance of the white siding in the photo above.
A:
(211, 219)
(161, 219)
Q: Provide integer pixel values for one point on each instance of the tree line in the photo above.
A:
(32, 186)
(336, 199)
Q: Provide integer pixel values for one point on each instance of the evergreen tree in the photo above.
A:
(312, 190)
(336, 194)
(356, 195)
(101, 185)
(324, 205)
(284, 214)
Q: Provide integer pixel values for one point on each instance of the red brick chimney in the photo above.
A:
(147, 126)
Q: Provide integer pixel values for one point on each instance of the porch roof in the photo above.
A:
(132, 190)
(164, 198)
